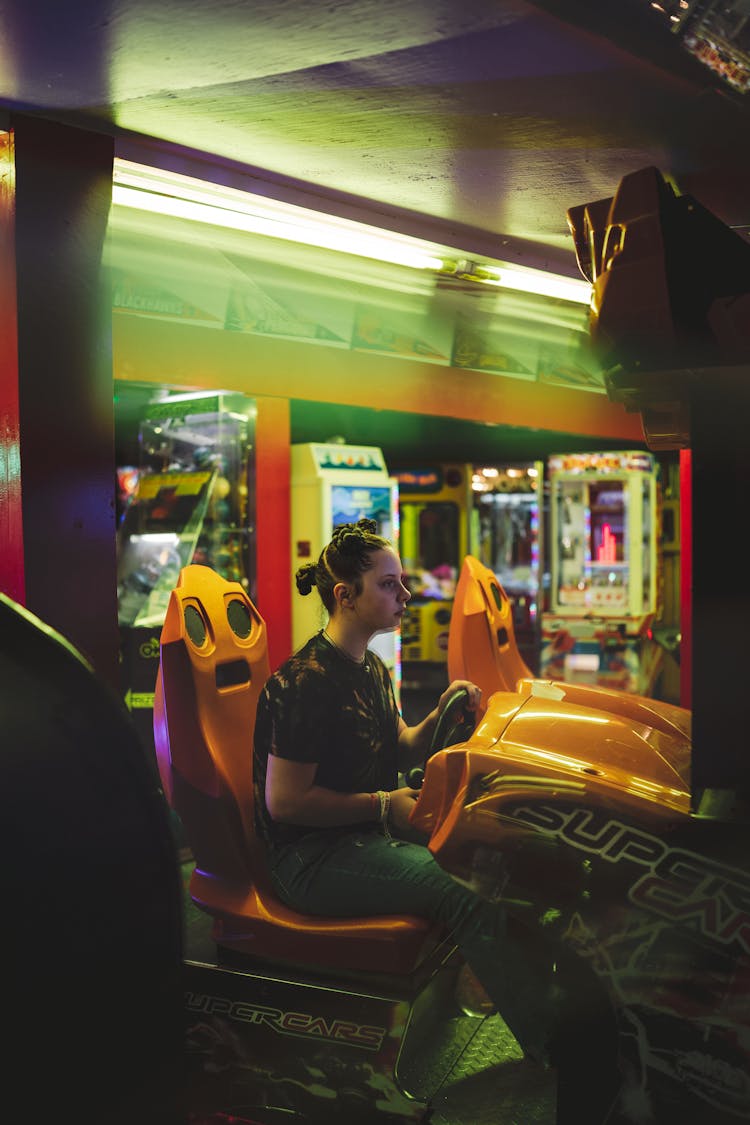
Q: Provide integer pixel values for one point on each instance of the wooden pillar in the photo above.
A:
(57, 492)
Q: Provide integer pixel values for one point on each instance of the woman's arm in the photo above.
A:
(293, 796)
(414, 741)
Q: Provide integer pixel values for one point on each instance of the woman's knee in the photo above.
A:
(466, 913)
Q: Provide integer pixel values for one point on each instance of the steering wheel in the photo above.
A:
(454, 725)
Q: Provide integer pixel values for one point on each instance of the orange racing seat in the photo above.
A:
(213, 663)
(482, 641)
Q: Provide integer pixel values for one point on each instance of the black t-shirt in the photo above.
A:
(323, 707)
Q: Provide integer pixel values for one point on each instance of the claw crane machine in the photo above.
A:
(507, 535)
(605, 571)
(334, 483)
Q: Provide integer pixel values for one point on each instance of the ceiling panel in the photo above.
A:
(486, 119)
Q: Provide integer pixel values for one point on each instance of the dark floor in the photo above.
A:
(490, 1084)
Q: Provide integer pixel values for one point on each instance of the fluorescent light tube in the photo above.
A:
(183, 197)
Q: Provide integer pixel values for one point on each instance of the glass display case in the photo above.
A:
(190, 499)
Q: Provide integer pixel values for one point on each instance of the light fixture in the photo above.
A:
(184, 197)
(526, 281)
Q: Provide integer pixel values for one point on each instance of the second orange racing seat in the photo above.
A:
(482, 648)
(213, 663)
(482, 642)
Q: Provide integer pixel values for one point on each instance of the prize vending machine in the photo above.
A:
(506, 535)
(434, 506)
(333, 484)
(605, 571)
(191, 499)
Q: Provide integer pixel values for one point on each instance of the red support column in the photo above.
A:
(11, 517)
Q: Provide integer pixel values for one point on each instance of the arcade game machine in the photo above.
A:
(506, 535)
(434, 505)
(332, 484)
(449, 511)
(604, 521)
(190, 500)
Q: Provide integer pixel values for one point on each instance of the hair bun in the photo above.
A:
(305, 578)
(347, 537)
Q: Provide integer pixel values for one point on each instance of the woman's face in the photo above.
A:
(380, 605)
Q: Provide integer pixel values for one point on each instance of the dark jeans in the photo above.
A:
(364, 873)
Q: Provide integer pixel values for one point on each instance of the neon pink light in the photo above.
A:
(607, 550)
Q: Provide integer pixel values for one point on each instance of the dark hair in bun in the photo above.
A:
(345, 559)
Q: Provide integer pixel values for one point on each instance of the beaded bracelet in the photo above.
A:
(385, 809)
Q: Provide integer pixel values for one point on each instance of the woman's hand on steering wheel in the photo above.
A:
(457, 716)
(471, 699)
